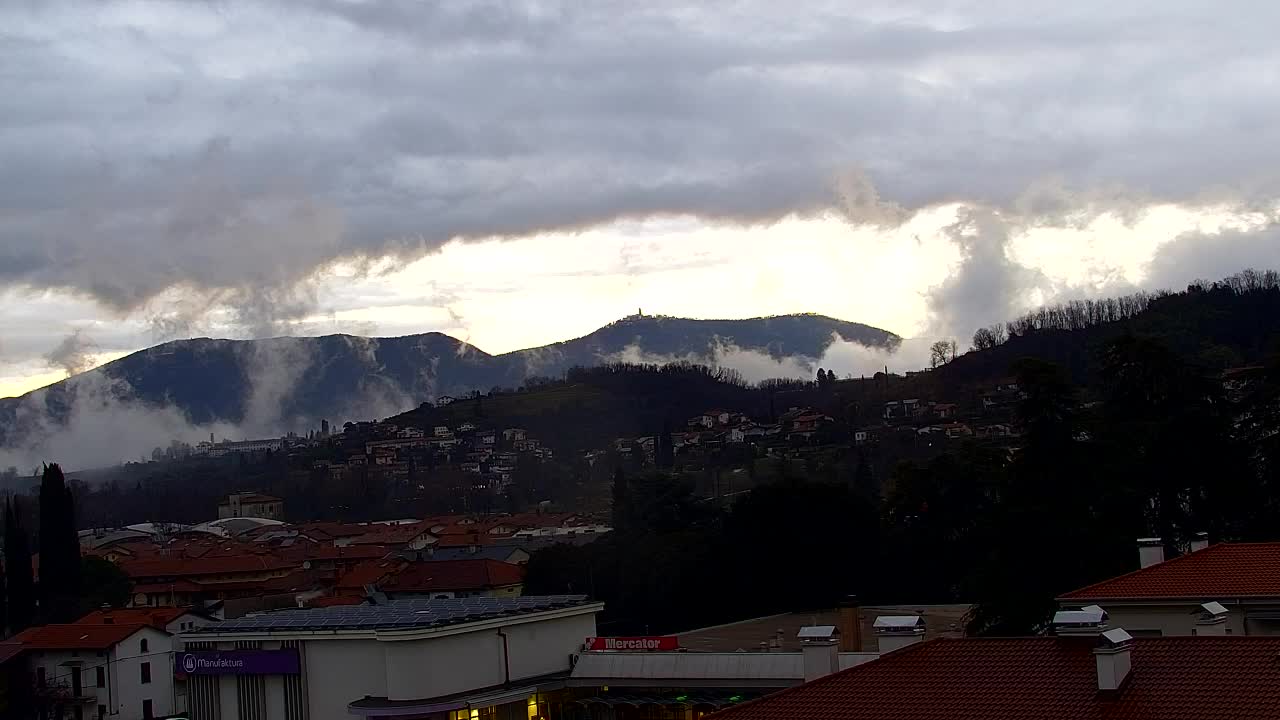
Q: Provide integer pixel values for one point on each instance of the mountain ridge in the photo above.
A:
(268, 386)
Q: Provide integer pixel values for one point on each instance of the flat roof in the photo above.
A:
(394, 614)
(940, 621)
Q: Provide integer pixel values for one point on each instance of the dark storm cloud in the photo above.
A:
(232, 149)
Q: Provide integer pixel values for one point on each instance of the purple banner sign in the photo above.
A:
(237, 662)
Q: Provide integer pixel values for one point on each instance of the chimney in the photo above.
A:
(1091, 620)
(1150, 552)
(850, 625)
(1213, 620)
(820, 646)
(898, 631)
(1199, 542)
(1114, 659)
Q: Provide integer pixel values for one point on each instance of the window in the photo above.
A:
(101, 677)
(147, 712)
(146, 673)
(143, 646)
(40, 677)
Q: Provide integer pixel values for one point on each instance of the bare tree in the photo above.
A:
(942, 352)
(989, 337)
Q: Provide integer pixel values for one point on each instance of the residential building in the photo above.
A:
(456, 659)
(1168, 597)
(102, 671)
(1096, 676)
(257, 505)
(172, 620)
(183, 581)
(442, 579)
(227, 447)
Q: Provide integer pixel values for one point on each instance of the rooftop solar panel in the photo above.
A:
(408, 613)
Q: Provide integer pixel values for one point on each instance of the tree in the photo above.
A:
(4, 601)
(59, 549)
(940, 353)
(1054, 507)
(989, 337)
(105, 584)
(1172, 430)
(621, 506)
(664, 454)
(17, 568)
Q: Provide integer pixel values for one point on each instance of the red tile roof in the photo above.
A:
(448, 575)
(1219, 572)
(1040, 678)
(193, 567)
(175, 586)
(352, 553)
(9, 650)
(391, 534)
(157, 617)
(448, 541)
(369, 572)
(74, 636)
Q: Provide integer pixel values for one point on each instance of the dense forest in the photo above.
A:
(1168, 452)
(1140, 432)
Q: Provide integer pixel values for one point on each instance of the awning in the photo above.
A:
(678, 700)
(380, 707)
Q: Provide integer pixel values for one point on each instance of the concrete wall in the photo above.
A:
(1169, 620)
(339, 671)
(545, 647)
(127, 659)
(443, 666)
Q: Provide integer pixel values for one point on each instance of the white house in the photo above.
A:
(170, 619)
(1222, 589)
(104, 671)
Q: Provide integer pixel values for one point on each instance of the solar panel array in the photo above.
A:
(412, 613)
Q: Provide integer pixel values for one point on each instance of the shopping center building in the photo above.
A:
(460, 659)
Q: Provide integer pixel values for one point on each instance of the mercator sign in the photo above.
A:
(656, 642)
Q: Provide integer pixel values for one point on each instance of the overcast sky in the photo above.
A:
(521, 172)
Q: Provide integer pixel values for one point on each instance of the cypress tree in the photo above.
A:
(4, 581)
(59, 549)
(621, 502)
(17, 568)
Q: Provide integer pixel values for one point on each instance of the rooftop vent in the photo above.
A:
(1089, 621)
(898, 623)
(897, 631)
(821, 650)
(1114, 659)
(818, 633)
(1213, 619)
(1150, 551)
